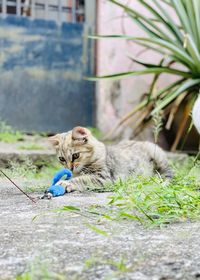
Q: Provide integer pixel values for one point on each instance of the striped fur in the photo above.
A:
(98, 164)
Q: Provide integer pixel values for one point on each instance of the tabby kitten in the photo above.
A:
(94, 164)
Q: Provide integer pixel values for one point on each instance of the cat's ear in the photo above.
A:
(55, 140)
(80, 134)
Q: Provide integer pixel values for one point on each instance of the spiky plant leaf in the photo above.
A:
(177, 38)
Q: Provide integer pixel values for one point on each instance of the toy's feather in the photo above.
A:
(60, 174)
(57, 190)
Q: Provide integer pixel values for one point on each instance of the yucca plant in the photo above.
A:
(178, 43)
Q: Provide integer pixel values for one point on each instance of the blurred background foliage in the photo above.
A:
(177, 41)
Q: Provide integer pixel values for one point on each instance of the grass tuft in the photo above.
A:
(32, 178)
(152, 201)
(39, 271)
(9, 135)
(30, 146)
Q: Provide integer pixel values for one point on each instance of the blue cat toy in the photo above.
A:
(57, 190)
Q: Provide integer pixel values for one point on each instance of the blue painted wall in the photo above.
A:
(41, 75)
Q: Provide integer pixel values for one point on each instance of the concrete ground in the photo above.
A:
(64, 244)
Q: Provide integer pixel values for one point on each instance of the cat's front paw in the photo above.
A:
(67, 185)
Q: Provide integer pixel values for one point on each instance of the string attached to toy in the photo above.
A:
(31, 198)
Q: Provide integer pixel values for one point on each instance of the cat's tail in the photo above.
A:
(159, 158)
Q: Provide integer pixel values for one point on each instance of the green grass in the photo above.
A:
(43, 275)
(27, 169)
(32, 178)
(153, 201)
(30, 146)
(148, 201)
(48, 170)
(95, 132)
(40, 271)
(9, 135)
(117, 265)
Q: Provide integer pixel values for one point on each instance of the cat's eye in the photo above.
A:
(62, 159)
(75, 156)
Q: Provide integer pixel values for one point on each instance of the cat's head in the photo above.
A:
(76, 149)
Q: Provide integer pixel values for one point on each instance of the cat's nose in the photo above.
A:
(69, 166)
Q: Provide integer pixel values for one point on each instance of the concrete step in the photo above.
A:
(36, 148)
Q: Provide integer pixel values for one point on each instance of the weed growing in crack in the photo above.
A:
(114, 266)
(39, 271)
(25, 169)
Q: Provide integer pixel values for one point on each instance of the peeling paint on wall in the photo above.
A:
(42, 69)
